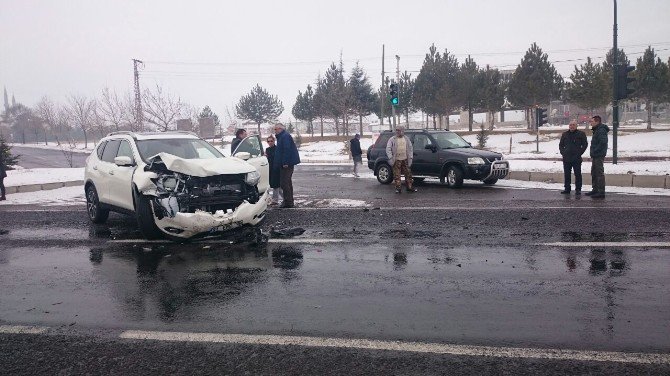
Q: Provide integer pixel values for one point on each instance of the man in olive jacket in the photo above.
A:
(598, 152)
(573, 144)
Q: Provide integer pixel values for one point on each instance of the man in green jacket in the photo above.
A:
(598, 151)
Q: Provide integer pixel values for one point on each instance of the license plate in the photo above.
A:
(500, 166)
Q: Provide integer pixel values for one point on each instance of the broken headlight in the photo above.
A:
(252, 178)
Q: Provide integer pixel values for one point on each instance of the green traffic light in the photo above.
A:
(394, 101)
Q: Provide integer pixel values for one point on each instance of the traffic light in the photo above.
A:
(624, 88)
(540, 116)
(393, 92)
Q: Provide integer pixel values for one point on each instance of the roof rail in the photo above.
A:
(120, 132)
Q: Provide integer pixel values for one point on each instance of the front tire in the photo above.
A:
(145, 218)
(384, 173)
(453, 177)
(95, 213)
(490, 181)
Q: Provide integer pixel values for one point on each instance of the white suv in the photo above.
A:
(176, 184)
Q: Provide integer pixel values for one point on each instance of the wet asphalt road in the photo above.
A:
(466, 267)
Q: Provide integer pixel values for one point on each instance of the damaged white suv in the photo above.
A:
(177, 185)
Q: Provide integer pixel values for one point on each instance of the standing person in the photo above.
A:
(356, 152)
(598, 152)
(400, 153)
(274, 171)
(240, 135)
(3, 175)
(286, 157)
(573, 144)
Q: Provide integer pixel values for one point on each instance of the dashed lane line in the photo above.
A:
(415, 347)
(22, 329)
(607, 244)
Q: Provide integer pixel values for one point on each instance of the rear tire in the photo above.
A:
(95, 213)
(145, 218)
(490, 181)
(384, 173)
(453, 177)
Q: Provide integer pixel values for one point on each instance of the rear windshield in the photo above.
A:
(383, 140)
(187, 148)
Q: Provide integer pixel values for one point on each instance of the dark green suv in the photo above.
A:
(441, 154)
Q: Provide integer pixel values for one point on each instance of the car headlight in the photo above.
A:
(252, 178)
(476, 161)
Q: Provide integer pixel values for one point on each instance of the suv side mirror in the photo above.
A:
(123, 161)
(431, 147)
(243, 155)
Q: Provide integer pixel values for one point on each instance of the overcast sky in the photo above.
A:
(213, 52)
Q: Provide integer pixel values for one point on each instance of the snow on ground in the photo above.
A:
(61, 196)
(42, 176)
(625, 167)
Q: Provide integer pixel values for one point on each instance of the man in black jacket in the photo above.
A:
(356, 152)
(240, 135)
(598, 152)
(573, 144)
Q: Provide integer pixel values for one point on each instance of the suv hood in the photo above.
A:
(203, 167)
(471, 152)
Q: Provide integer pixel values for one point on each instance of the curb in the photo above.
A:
(43, 186)
(614, 180)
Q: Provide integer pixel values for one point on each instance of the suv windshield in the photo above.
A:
(187, 148)
(449, 140)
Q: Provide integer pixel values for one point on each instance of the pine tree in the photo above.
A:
(492, 92)
(588, 86)
(7, 160)
(406, 95)
(304, 110)
(259, 106)
(482, 137)
(470, 77)
(6, 100)
(652, 80)
(535, 81)
(362, 96)
(428, 85)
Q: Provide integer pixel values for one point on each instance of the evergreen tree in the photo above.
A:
(334, 95)
(259, 106)
(319, 103)
(588, 86)
(451, 93)
(303, 109)
(652, 80)
(6, 100)
(535, 81)
(362, 96)
(608, 71)
(492, 92)
(428, 85)
(406, 95)
(6, 158)
(470, 78)
(207, 113)
(482, 137)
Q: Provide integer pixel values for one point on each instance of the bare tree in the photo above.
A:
(130, 120)
(161, 108)
(81, 111)
(111, 110)
(48, 112)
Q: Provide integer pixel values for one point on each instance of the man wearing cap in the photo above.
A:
(356, 152)
(286, 157)
(399, 152)
(572, 145)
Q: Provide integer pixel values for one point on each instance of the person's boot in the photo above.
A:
(398, 191)
(3, 198)
(566, 191)
(591, 193)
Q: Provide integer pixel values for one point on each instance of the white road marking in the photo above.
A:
(275, 241)
(607, 244)
(22, 329)
(416, 347)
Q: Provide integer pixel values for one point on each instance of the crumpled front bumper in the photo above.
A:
(188, 225)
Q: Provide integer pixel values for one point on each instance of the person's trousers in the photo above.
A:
(598, 174)
(401, 167)
(358, 160)
(568, 167)
(286, 184)
(2, 187)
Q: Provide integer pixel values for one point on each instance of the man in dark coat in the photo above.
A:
(3, 175)
(240, 135)
(356, 152)
(573, 144)
(274, 171)
(598, 152)
(286, 157)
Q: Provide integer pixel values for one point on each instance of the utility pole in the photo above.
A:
(397, 77)
(615, 96)
(393, 112)
(138, 99)
(382, 94)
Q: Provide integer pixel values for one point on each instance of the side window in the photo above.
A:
(383, 140)
(420, 141)
(100, 148)
(110, 151)
(125, 150)
(251, 145)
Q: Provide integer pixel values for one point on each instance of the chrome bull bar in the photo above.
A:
(499, 170)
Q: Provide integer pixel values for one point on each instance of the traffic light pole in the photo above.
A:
(382, 98)
(615, 97)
